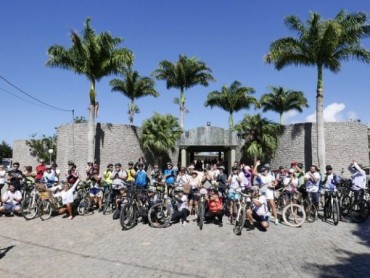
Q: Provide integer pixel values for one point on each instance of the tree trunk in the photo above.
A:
(281, 118)
(91, 125)
(320, 122)
(182, 109)
(231, 120)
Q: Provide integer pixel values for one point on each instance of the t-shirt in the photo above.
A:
(170, 173)
(184, 204)
(311, 185)
(140, 178)
(262, 209)
(265, 181)
(40, 169)
(11, 197)
(2, 176)
(67, 196)
(131, 175)
(291, 184)
(359, 180)
(234, 184)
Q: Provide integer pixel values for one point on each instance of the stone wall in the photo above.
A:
(344, 141)
(23, 154)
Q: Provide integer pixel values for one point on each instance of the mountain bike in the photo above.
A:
(160, 214)
(331, 206)
(358, 211)
(132, 209)
(82, 200)
(242, 204)
(294, 214)
(48, 205)
(309, 207)
(29, 205)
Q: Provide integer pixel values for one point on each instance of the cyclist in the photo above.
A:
(194, 182)
(329, 181)
(67, 199)
(141, 178)
(95, 191)
(215, 210)
(40, 169)
(170, 177)
(312, 179)
(56, 171)
(181, 206)
(118, 176)
(245, 176)
(131, 173)
(358, 177)
(259, 211)
(72, 174)
(29, 175)
(11, 200)
(235, 183)
(290, 182)
(107, 174)
(48, 177)
(152, 173)
(267, 183)
(221, 179)
(15, 176)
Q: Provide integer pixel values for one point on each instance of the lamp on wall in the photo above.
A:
(208, 123)
(50, 151)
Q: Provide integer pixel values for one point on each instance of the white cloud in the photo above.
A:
(288, 116)
(332, 113)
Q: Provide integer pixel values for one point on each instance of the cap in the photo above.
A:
(221, 167)
(179, 189)
(281, 167)
(328, 167)
(169, 163)
(42, 160)
(48, 167)
(130, 163)
(234, 168)
(109, 165)
(191, 167)
(194, 173)
(267, 165)
(117, 164)
(263, 169)
(300, 165)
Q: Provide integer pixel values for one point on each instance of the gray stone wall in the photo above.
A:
(344, 141)
(22, 154)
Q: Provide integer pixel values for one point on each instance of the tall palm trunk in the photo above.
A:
(320, 120)
(231, 120)
(281, 118)
(132, 112)
(182, 108)
(91, 125)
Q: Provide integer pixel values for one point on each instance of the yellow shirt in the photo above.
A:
(131, 173)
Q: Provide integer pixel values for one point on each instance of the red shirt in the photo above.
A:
(40, 169)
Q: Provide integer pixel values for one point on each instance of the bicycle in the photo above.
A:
(309, 207)
(331, 206)
(82, 200)
(242, 204)
(201, 207)
(48, 205)
(29, 205)
(358, 211)
(294, 214)
(160, 214)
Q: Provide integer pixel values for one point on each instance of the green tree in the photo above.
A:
(159, 135)
(40, 147)
(6, 150)
(133, 86)
(94, 56)
(323, 44)
(184, 74)
(260, 137)
(232, 99)
(280, 100)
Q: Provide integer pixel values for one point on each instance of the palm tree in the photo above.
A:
(133, 86)
(323, 44)
(184, 74)
(40, 147)
(159, 135)
(94, 56)
(260, 137)
(280, 100)
(232, 99)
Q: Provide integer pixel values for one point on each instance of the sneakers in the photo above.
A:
(70, 217)
(100, 210)
(220, 224)
(277, 222)
(250, 227)
(183, 223)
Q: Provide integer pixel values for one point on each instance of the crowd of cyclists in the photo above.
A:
(184, 185)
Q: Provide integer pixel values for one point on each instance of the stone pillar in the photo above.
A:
(183, 157)
(232, 158)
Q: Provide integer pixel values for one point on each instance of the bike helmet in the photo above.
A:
(110, 165)
(179, 189)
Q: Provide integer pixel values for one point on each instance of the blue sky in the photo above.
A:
(230, 36)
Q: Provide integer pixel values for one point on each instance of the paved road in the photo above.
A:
(95, 246)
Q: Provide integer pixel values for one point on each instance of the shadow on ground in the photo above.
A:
(3, 251)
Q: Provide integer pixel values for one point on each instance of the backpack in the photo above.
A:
(140, 178)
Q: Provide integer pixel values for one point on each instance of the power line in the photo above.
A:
(44, 103)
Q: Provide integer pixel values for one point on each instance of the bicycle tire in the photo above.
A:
(127, 216)
(239, 222)
(45, 209)
(107, 205)
(311, 211)
(159, 215)
(327, 210)
(336, 211)
(29, 208)
(84, 205)
(359, 211)
(345, 204)
(201, 215)
(297, 211)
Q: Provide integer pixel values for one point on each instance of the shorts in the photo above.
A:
(269, 194)
(96, 192)
(10, 207)
(234, 196)
(193, 195)
(260, 218)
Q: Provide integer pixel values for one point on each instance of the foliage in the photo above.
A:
(323, 44)
(40, 147)
(160, 134)
(184, 74)
(133, 86)
(280, 100)
(5, 150)
(79, 120)
(260, 137)
(232, 99)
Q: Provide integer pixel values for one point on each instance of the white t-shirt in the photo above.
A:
(2, 176)
(194, 182)
(292, 184)
(262, 209)
(67, 196)
(265, 181)
(359, 180)
(311, 185)
(11, 197)
(234, 184)
(182, 179)
(184, 203)
(244, 179)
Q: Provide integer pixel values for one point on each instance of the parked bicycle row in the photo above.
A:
(249, 197)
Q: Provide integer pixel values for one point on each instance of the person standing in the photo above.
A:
(2, 178)
(40, 170)
(15, 176)
(312, 180)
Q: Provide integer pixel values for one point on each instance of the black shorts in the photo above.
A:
(260, 218)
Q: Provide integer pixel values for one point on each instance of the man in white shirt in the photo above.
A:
(11, 200)
(259, 211)
(312, 180)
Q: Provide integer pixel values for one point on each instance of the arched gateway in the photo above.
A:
(209, 139)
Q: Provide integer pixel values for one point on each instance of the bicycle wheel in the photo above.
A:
(107, 205)
(294, 215)
(45, 209)
(159, 215)
(345, 203)
(311, 211)
(335, 211)
(127, 216)
(359, 211)
(327, 210)
(84, 205)
(29, 208)
(200, 215)
(239, 222)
